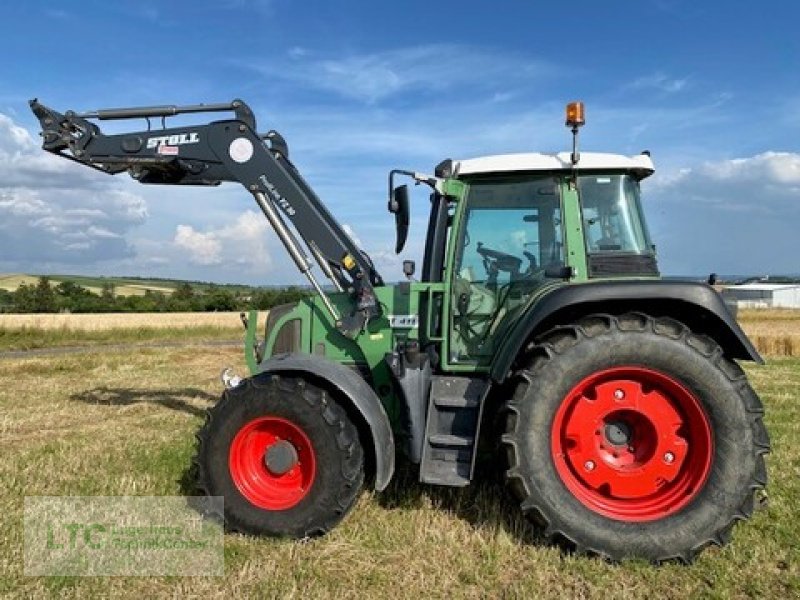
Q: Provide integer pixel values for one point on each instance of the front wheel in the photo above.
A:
(631, 436)
(284, 455)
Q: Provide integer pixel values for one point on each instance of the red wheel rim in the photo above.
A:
(277, 489)
(632, 444)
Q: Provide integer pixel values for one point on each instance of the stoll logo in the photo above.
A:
(178, 139)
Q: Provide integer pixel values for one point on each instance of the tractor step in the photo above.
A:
(448, 456)
(453, 402)
(453, 441)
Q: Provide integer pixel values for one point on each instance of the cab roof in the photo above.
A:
(640, 164)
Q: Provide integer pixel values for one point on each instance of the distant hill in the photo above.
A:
(123, 286)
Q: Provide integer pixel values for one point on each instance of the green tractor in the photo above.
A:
(539, 325)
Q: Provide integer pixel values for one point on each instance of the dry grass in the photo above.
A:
(122, 424)
(27, 332)
(774, 332)
(11, 281)
(108, 321)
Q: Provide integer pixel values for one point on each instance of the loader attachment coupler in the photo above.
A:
(226, 150)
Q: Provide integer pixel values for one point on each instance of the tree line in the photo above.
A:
(68, 296)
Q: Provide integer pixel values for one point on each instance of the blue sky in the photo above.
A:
(358, 88)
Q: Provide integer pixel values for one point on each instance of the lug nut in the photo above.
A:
(669, 458)
(619, 394)
(589, 465)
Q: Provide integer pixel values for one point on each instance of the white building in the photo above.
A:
(765, 295)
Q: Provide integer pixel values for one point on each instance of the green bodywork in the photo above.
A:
(319, 336)
(466, 337)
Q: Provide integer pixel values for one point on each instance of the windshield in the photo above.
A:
(612, 215)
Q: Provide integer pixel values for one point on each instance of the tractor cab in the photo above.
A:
(527, 222)
(504, 230)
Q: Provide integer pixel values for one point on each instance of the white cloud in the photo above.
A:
(660, 82)
(765, 182)
(55, 211)
(349, 231)
(297, 52)
(424, 69)
(243, 243)
(24, 164)
(203, 248)
(734, 216)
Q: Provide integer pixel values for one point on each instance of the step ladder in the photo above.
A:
(451, 435)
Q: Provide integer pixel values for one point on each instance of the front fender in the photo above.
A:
(697, 305)
(360, 396)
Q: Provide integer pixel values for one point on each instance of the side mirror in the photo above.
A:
(398, 204)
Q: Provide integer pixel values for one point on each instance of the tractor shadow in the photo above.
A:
(177, 399)
(174, 399)
(485, 504)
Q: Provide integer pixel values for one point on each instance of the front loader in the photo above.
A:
(627, 428)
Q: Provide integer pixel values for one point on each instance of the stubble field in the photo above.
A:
(34, 331)
(122, 423)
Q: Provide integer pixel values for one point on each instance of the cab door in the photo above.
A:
(509, 236)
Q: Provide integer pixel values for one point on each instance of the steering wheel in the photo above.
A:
(494, 260)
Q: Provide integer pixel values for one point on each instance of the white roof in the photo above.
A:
(764, 287)
(534, 161)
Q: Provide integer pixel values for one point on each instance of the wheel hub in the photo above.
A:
(618, 433)
(632, 443)
(280, 457)
(272, 462)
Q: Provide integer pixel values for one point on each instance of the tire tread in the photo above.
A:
(561, 338)
(347, 441)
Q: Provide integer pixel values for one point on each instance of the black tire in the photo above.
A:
(565, 356)
(338, 454)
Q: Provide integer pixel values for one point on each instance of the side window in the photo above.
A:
(498, 236)
(612, 216)
(510, 230)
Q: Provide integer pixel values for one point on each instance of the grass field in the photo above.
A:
(26, 332)
(109, 321)
(123, 424)
(774, 332)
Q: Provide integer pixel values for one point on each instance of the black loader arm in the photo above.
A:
(225, 150)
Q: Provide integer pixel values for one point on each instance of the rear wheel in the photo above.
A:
(633, 437)
(284, 455)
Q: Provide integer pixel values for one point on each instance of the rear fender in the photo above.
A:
(697, 305)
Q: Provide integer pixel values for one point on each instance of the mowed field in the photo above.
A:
(110, 321)
(35, 331)
(122, 423)
(774, 332)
